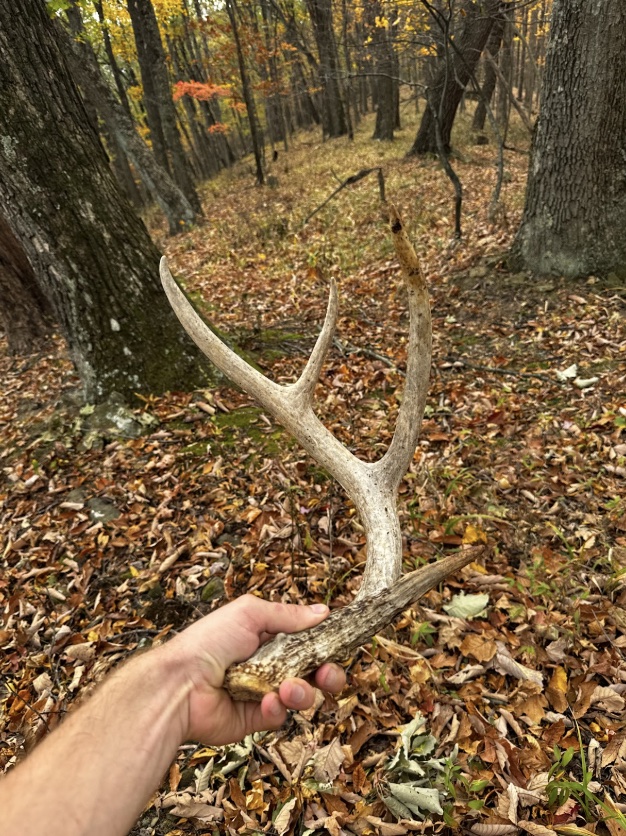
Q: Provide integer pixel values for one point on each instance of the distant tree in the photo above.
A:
(25, 313)
(457, 65)
(574, 219)
(256, 133)
(492, 49)
(157, 98)
(334, 120)
(385, 78)
(121, 129)
(91, 254)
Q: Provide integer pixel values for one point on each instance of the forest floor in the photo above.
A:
(497, 704)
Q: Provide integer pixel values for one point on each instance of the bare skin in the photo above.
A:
(95, 773)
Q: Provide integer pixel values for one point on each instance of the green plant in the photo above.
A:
(561, 787)
(423, 634)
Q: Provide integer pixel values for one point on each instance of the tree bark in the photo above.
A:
(381, 49)
(333, 115)
(25, 313)
(84, 65)
(158, 95)
(457, 67)
(256, 133)
(492, 48)
(575, 213)
(92, 256)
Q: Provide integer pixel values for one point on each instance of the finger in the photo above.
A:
(296, 694)
(271, 617)
(272, 712)
(330, 678)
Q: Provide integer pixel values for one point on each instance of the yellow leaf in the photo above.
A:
(557, 689)
(474, 534)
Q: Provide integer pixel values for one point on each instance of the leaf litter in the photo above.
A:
(493, 706)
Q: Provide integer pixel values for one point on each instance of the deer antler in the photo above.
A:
(372, 487)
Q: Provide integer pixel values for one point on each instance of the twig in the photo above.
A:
(349, 182)
(457, 361)
(512, 98)
(347, 348)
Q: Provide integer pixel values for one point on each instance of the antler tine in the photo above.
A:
(252, 381)
(305, 385)
(397, 459)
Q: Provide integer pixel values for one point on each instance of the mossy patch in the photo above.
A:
(233, 427)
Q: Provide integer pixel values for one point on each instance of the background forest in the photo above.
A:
(255, 144)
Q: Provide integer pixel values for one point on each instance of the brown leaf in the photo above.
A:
(535, 828)
(481, 648)
(174, 776)
(283, 819)
(327, 761)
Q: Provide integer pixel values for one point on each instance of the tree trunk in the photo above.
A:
(158, 95)
(333, 115)
(493, 47)
(381, 50)
(164, 191)
(115, 68)
(575, 213)
(459, 62)
(92, 256)
(256, 133)
(25, 313)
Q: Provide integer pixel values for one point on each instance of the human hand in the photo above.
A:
(204, 651)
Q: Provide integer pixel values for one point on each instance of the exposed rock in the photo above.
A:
(102, 511)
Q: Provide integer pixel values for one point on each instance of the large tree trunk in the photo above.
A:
(574, 219)
(25, 313)
(458, 64)
(158, 94)
(92, 256)
(333, 115)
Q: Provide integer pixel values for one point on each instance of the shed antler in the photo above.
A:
(372, 487)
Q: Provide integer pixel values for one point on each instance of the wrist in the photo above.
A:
(168, 675)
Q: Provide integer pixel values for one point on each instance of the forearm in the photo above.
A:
(96, 772)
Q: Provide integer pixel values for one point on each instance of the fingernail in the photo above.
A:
(333, 680)
(297, 693)
(318, 609)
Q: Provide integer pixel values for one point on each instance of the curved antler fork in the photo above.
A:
(371, 486)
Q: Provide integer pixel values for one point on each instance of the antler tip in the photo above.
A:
(394, 219)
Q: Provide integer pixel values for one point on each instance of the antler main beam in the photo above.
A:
(372, 487)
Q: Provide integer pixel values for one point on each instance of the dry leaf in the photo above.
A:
(608, 699)
(479, 647)
(535, 828)
(557, 689)
(494, 829)
(327, 761)
(283, 819)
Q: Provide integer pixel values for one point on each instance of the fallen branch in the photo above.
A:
(349, 182)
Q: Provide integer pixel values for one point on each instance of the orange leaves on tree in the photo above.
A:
(197, 90)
